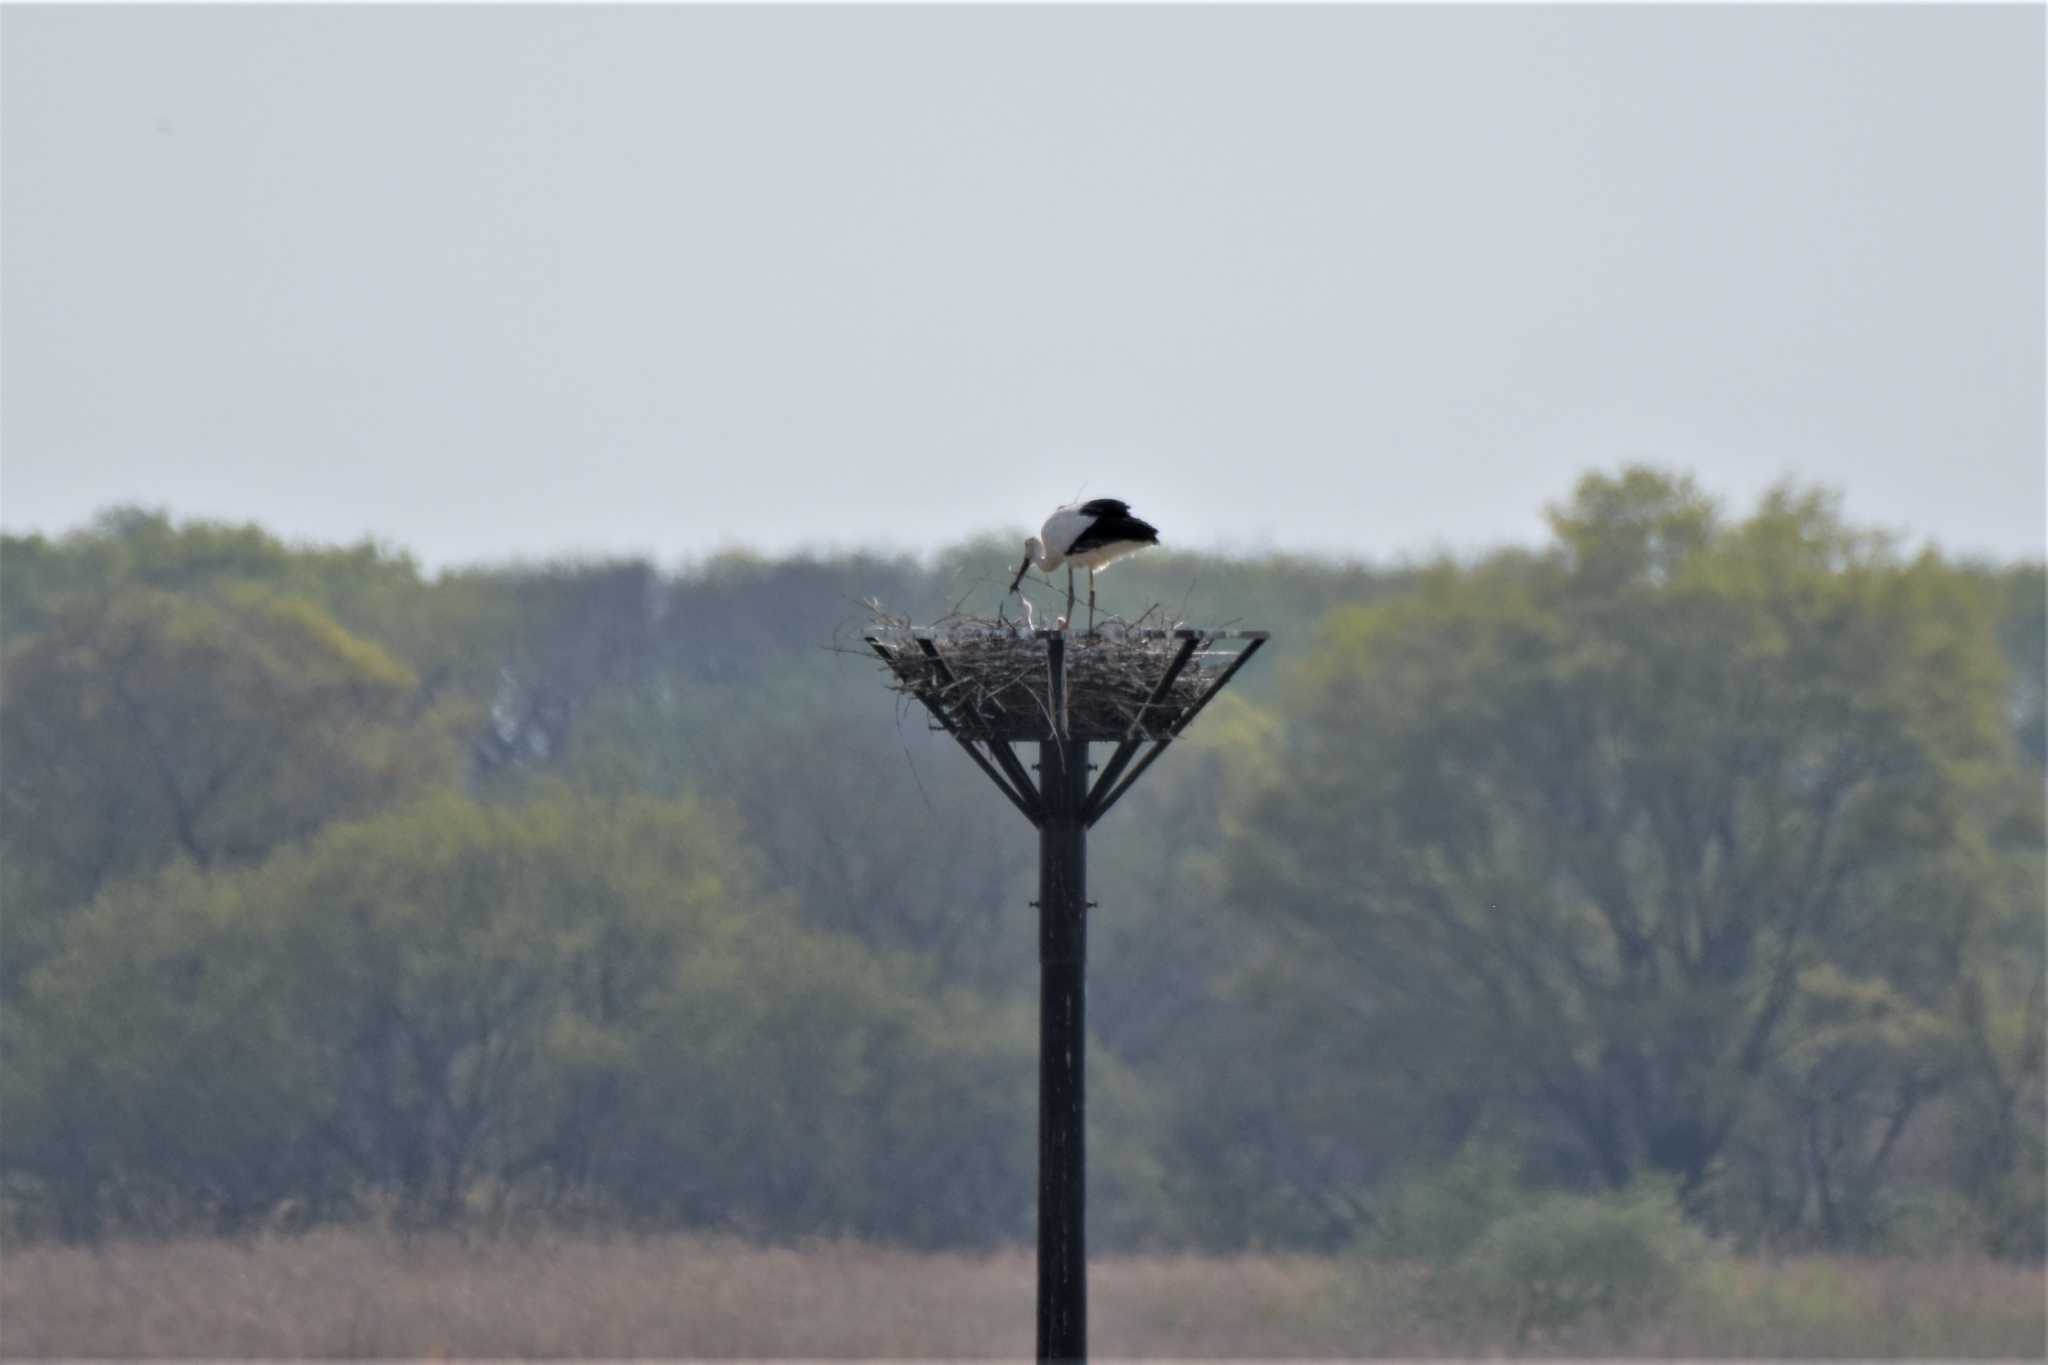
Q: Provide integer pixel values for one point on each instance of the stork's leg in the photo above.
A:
(1091, 599)
(1070, 594)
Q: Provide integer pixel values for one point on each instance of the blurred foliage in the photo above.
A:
(1436, 1210)
(1684, 846)
(142, 725)
(579, 999)
(1679, 823)
(1563, 1263)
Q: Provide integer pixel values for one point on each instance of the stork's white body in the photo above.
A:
(1054, 544)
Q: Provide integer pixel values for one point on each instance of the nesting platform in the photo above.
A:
(991, 685)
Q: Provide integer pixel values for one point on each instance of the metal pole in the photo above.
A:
(1060, 807)
(1063, 960)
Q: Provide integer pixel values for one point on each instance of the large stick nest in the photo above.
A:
(993, 680)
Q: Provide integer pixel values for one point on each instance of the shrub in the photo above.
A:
(1567, 1261)
(1437, 1212)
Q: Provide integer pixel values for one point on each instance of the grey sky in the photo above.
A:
(490, 282)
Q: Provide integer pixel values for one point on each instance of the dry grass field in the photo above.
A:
(363, 1294)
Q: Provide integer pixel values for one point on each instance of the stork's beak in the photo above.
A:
(1020, 573)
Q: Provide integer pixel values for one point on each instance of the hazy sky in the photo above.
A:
(487, 282)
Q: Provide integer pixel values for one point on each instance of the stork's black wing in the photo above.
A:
(1114, 528)
(1106, 507)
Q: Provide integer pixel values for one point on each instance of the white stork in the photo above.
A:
(1095, 533)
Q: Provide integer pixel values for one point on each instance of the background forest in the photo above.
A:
(1697, 849)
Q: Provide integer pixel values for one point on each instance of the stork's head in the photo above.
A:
(1034, 553)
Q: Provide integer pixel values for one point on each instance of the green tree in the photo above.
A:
(576, 1002)
(415, 1004)
(467, 973)
(1999, 1118)
(141, 725)
(2022, 593)
(148, 1072)
(796, 1084)
(364, 586)
(1600, 811)
(1813, 1154)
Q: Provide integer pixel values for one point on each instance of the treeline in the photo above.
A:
(1689, 846)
